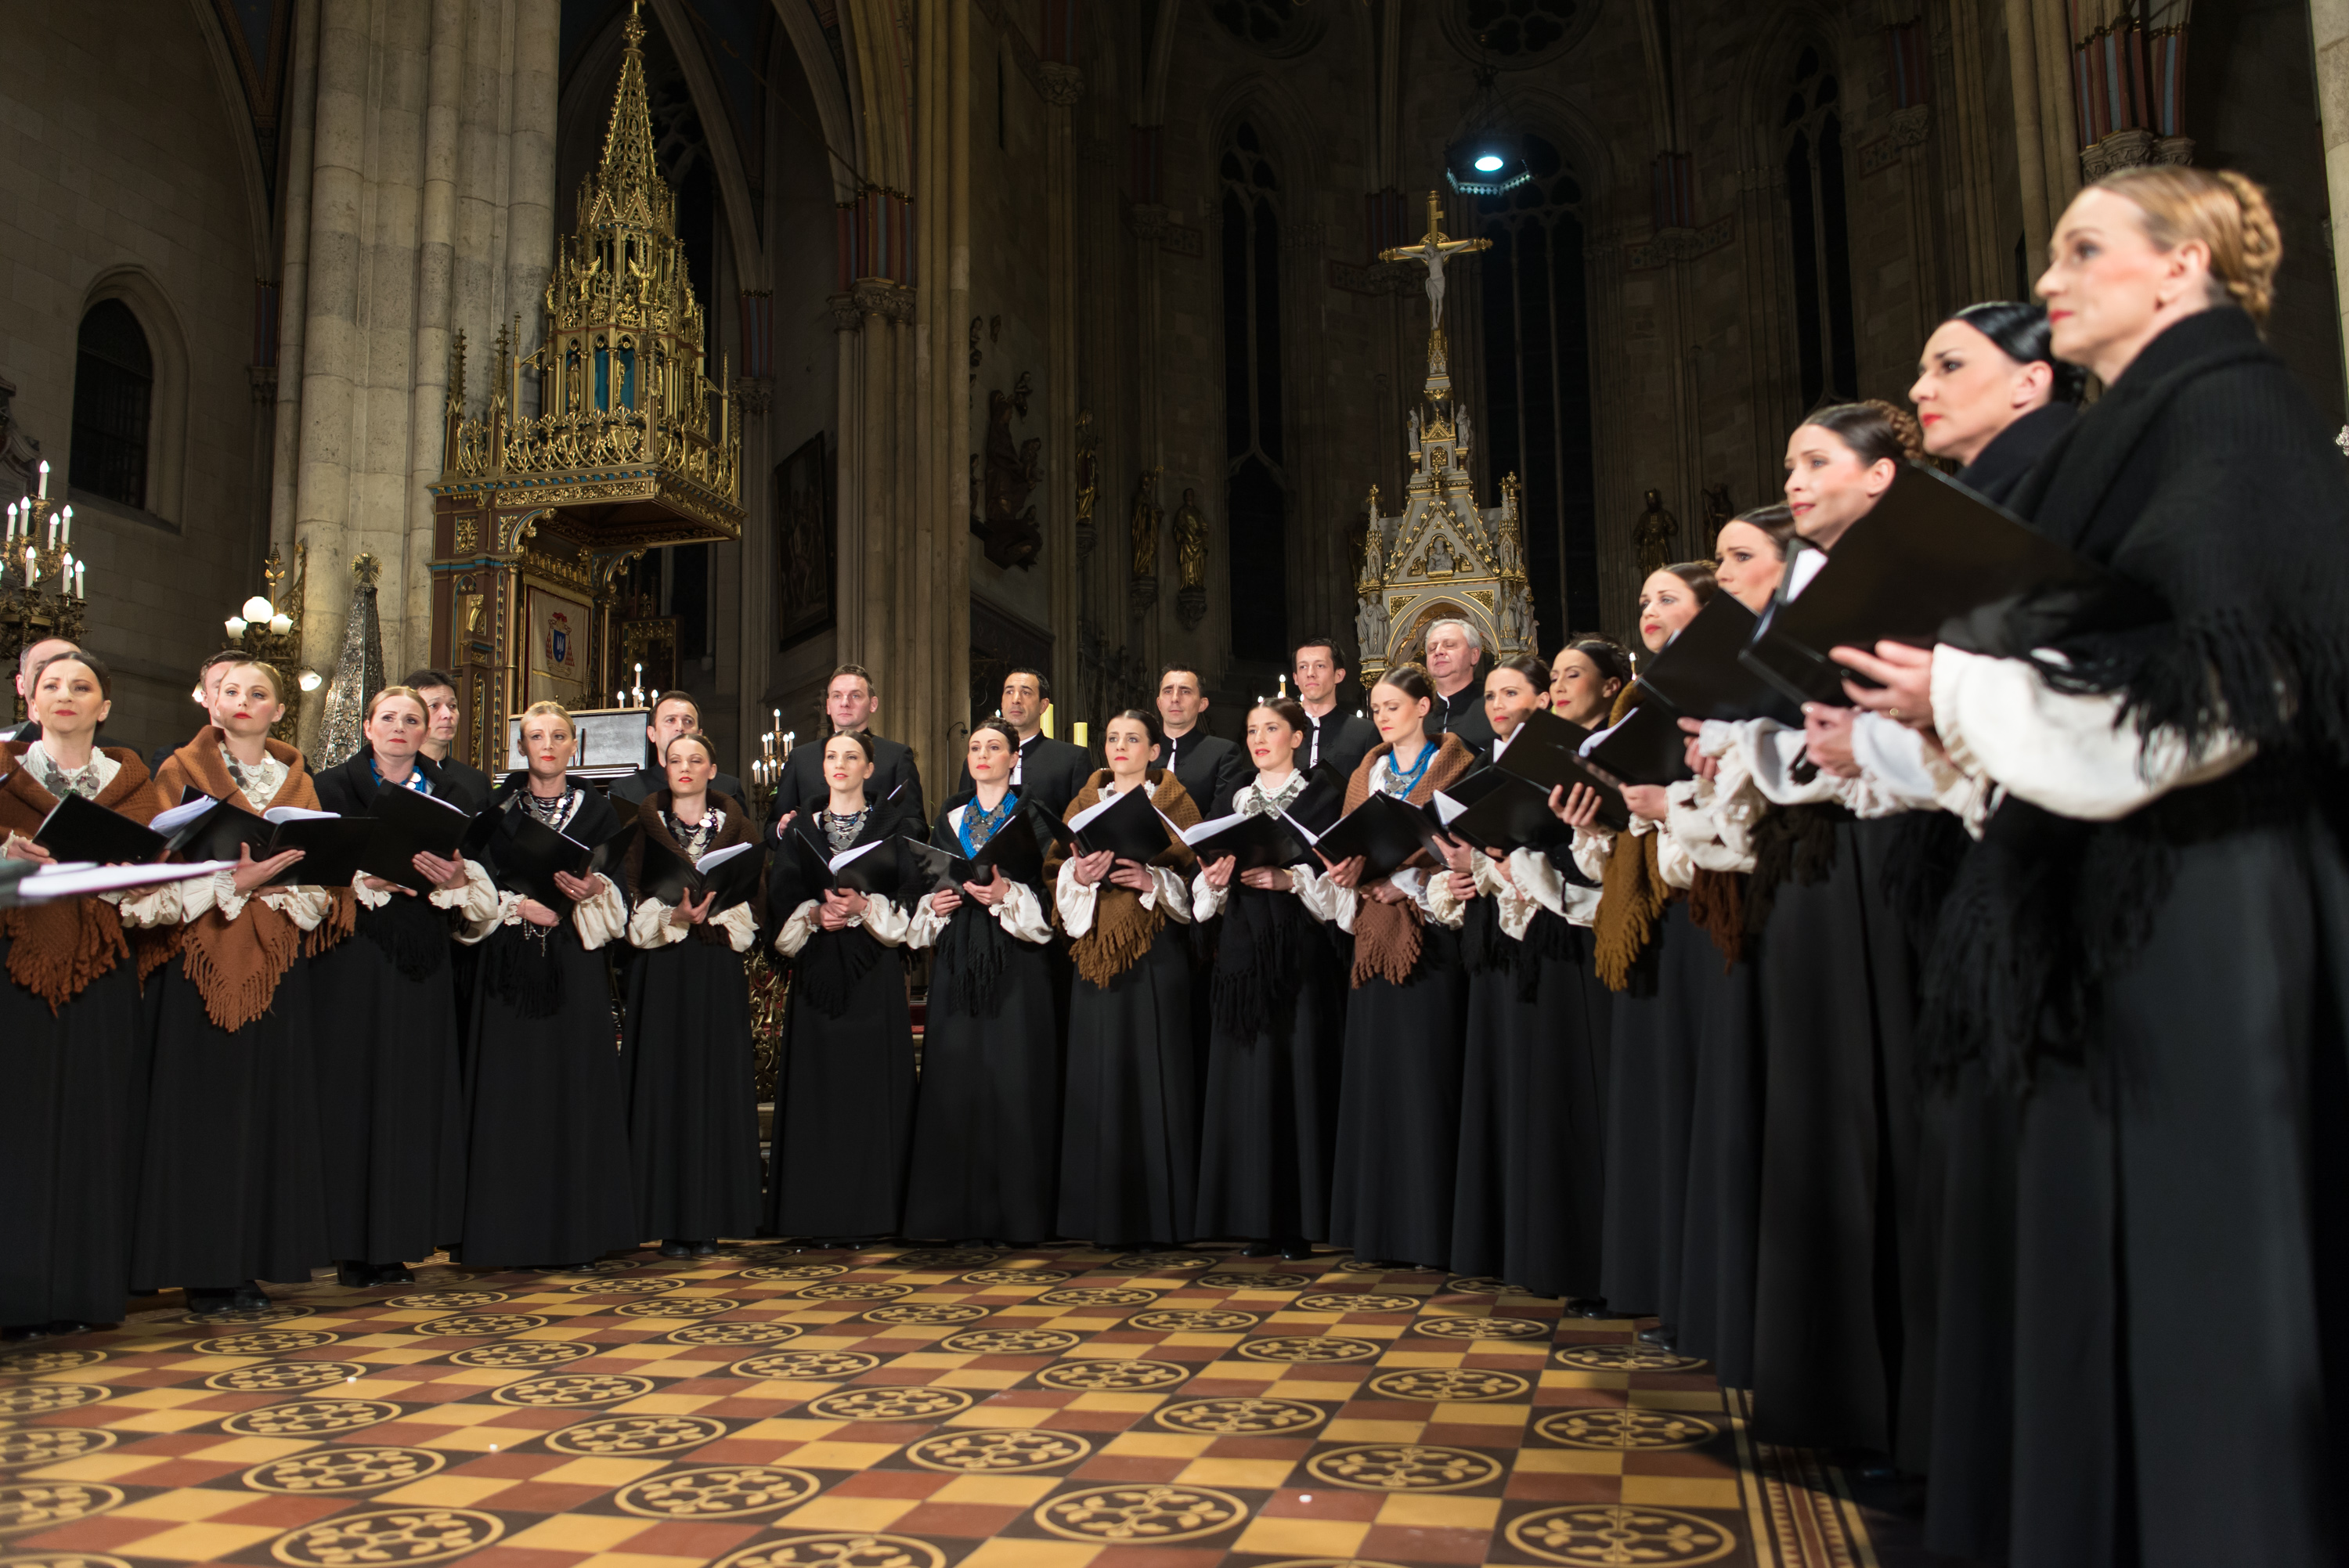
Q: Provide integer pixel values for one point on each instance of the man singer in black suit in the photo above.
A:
(850, 703)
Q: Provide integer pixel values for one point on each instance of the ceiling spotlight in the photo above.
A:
(1485, 165)
(1489, 162)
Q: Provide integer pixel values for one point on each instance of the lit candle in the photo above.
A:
(12, 520)
(619, 699)
(67, 538)
(29, 566)
(53, 531)
(44, 480)
(1084, 736)
(1048, 722)
(81, 580)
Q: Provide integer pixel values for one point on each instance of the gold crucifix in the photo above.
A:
(1433, 247)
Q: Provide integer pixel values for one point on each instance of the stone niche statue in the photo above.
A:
(1145, 526)
(1371, 626)
(1190, 561)
(1656, 537)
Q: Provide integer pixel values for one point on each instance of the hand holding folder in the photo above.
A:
(733, 874)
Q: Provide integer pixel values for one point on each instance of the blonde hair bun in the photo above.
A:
(2228, 212)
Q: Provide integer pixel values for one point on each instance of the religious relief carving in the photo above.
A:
(1190, 561)
(1440, 559)
(1007, 527)
(1088, 484)
(1656, 537)
(1060, 86)
(1143, 591)
(1717, 508)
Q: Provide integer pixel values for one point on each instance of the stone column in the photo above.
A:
(2329, 22)
(419, 201)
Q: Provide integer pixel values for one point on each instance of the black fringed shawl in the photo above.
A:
(973, 948)
(2204, 476)
(1266, 938)
(828, 969)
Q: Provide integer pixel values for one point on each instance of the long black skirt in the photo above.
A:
(1838, 1263)
(843, 1107)
(987, 1134)
(233, 1175)
(2197, 1164)
(1130, 1125)
(693, 1106)
(1721, 1225)
(1399, 1110)
(547, 1169)
(1530, 1198)
(1268, 1119)
(1650, 1102)
(76, 1084)
(391, 1087)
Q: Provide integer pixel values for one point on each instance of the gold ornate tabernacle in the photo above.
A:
(635, 445)
(1443, 557)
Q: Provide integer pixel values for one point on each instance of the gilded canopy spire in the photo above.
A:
(627, 186)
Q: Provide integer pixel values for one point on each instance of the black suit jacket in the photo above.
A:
(348, 788)
(1463, 716)
(1051, 773)
(649, 779)
(1210, 769)
(1339, 741)
(894, 779)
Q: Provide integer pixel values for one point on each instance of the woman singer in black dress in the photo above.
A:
(1664, 971)
(693, 1122)
(233, 1171)
(391, 1092)
(73, 1037)
(547, 1175)
(2150, 945)
(844, 1094)
(1268, 1119)
(1533, 1110)
(1130, 1125)
(1398, 1096)
(987, 1134)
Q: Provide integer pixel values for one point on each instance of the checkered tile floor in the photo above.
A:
(895, 1408)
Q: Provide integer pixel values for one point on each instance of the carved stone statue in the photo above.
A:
(1088, 482)
(1374, 566)
(1717, 509)
(1147, 514)
(1191, 541)
(1656, 537)
(1414, 438)
(1439, 555)
(1370, 623)
(1012, 471)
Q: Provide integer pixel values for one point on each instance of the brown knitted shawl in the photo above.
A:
(56, 949)
(1386, 935)
(1122, 929)
(1631, 894)
(735, 829)
(235, 964)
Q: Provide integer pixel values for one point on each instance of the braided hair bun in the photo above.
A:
(1874, 430)
(2228, 212)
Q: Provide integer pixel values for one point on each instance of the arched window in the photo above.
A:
(114, 398)
(1538, 383)
(1257, 492)
(1811, 128)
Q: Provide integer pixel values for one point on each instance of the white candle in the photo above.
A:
(12, 520)
(44, 480)
(53, 531)
(81, 580)
(29, 566)
(67, 537)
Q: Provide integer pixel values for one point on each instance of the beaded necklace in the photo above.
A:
(978, 827)
(1402, 784)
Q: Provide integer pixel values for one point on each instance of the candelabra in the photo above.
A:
(272, 631)
(767, 768)
(631, 696)
(44, 590)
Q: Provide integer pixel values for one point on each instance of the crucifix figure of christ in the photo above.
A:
(1434, 248)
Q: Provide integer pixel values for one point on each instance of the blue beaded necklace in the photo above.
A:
(988, 823)
(1407, 782)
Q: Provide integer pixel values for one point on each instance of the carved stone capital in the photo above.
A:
(1141, 594)
(872, 297)
(1190, 606)
(1061, 85)
(2129, 148)
(1150, 221)
(845, 316)
(756, 392)
(2174, 149)
(1910, 125)
(264, 383)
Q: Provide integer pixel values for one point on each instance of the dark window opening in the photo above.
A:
(1255, 496)
(1537, 386)
(1826, 337)
(114, 398)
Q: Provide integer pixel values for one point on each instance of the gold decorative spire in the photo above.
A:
(627, 186)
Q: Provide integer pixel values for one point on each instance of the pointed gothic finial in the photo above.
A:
(627, 186)
(359, 667)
